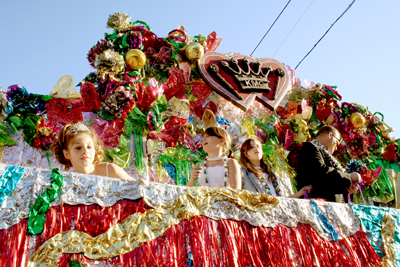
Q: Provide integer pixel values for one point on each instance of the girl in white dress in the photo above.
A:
(220, 168)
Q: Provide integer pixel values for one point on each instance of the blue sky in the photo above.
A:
(42, 41)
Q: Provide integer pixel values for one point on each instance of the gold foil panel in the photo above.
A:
(388, 231)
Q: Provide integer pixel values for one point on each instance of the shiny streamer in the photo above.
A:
(37, 213)
(137, 229)
(17, 246)
(214, 243)
(14, 245)
(373, 222)
(104, 191)
(9, 180)
(324, 221)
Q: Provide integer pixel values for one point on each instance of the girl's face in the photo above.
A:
(80, 151)
(211, 142)
(254, 153)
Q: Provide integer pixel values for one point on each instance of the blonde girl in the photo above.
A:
(220, 169)
(256, 173)
(79, 147)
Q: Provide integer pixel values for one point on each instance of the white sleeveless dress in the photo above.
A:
(215, 176)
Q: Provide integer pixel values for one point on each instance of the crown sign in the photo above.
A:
(252, 79)
(243, 79)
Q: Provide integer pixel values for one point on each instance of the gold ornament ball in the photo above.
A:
(194, 51)
(135, 59)
(357, 119)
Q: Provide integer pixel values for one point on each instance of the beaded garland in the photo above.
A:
(274, 183)
(334, 162)
(225, 173)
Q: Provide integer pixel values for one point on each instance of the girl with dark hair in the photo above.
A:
(220, 168)
(257, 175)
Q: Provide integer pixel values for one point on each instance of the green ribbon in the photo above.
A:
(73, 263)
(16, 122)
(330, 93)
(5, 139)
(134, 73)
(106, 115)
(182, 168)
(29, 128)
(45, 98)
(37, 213)
(383, 117)
(142, 22)
(199, 38)
(139, 155)
(121, 154)
(381, 190)
(176, 45)
(182, 159)
(111, 37)
(136, 122)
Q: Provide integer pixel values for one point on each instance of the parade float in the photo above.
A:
(149, 99)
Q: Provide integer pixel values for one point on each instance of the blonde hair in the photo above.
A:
(245, 162)
(66, 135)
(221, 133)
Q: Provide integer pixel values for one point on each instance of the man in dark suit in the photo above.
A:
(315, 167)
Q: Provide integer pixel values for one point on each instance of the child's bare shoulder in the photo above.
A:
(232, 162)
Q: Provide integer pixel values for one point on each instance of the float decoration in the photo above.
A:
(150, 99)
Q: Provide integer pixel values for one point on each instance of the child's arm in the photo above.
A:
(194, 175)
(116, 171)
(301, 192)
(234, 175)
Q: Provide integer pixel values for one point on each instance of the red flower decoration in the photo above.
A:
(186, 139)
(281, 130)
(171, 89)
(290, 112)
(212, 41)
(161, 57)
(390, 152)
(62, 111)
(90, 98)
(182, 74)
(201, 91)
(108, 131)
(324, 110)
(170, 134)
(146, 95)
(369, 176)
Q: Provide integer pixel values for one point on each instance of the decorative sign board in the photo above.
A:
(243, 79)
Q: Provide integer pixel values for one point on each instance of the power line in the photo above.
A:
(270, 27)
(326, 33)
(293, 28)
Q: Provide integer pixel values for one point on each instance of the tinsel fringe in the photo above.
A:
(212, 243)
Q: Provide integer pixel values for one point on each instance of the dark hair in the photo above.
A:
(245, 162)
(328, 129)
(221, 133)
(64, 137)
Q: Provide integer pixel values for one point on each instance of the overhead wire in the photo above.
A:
(270, 27)
(293, 28)
(325, 33)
